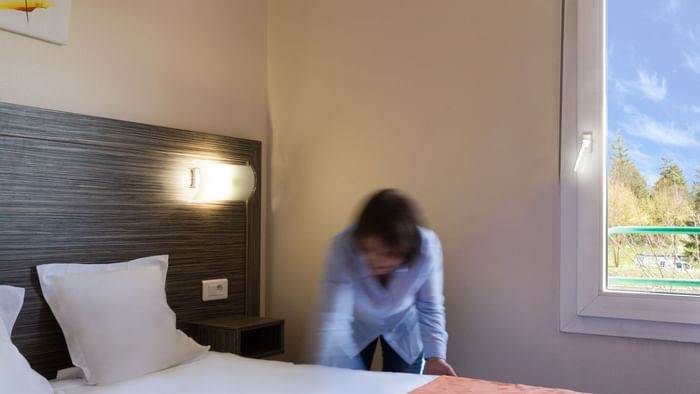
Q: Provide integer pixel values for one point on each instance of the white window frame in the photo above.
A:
(586, 306)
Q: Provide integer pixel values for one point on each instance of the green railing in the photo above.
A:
(653, 230)
(625, 281)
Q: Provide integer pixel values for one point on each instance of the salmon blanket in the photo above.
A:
(455, 385)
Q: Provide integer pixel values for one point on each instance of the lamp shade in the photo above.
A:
(216, 182)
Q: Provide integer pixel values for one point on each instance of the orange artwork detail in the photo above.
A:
(24, 6)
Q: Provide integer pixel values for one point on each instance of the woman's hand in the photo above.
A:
(438, 366)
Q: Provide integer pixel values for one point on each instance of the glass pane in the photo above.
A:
(653, 178)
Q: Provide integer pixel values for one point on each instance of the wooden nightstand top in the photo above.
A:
(249, 336)
(236, 321)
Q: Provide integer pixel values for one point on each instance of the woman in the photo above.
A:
(384, 283)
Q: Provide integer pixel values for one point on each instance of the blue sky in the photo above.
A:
(653, 84)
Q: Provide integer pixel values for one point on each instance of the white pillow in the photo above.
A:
(116, 319)
(11, 300)
(16, 376)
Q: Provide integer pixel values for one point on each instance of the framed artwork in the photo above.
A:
(46, 20)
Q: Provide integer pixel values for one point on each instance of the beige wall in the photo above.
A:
(171, 63)
(456, 102)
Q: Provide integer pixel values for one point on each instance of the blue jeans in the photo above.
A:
(392, 361)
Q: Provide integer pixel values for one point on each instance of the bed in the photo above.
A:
(219, 373)
(225, 373)
(87, 189)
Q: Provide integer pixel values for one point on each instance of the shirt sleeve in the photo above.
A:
(430, 303)
(336, 346)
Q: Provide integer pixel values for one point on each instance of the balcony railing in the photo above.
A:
(655, 282)
(653, 230)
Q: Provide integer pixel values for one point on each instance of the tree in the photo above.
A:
(627, 197)
(672, 206)
(691, 246)
(671, 176)
(624, 209)
(623, 171)
(695, 191)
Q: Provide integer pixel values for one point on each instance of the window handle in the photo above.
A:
(586, 146)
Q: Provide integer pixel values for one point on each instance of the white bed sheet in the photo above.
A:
(227, 373)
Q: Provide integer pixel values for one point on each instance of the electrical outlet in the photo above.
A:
(214, 289)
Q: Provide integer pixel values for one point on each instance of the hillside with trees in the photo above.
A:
(671, 205)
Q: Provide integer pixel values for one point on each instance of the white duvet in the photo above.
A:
(219, 373)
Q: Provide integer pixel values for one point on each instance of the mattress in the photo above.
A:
(227, 373)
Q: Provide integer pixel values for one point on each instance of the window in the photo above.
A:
(627, 269)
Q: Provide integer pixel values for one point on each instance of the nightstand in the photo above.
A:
(247, 336)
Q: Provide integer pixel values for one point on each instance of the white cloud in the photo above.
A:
(621, 86)
(640, 158)
(649, 85)
(662, 133)
(692, 61)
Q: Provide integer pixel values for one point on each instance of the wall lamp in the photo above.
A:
(215, 182)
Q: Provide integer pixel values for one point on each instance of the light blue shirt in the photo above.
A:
(409, 312)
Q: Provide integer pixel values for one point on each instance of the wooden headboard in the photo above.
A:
(82, 189)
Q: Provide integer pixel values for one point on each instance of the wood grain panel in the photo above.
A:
(83, 189)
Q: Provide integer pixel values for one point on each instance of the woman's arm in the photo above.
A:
(430, 303)
(336, 345)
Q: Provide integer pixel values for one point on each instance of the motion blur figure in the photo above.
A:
(384, 283)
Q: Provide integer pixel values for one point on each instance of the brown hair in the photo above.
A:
(393, 218)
